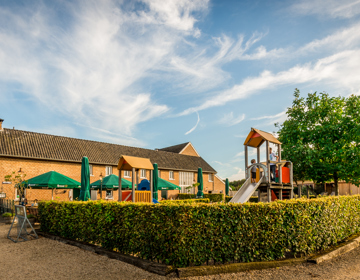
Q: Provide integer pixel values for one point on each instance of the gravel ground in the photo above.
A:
(47, 259)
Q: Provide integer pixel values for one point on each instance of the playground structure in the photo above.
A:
(282, 188)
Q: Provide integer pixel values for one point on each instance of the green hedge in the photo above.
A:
(186, 201)
(252, 199)
(213, 197)
(192, 234)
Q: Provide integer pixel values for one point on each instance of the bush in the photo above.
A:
(228, 198)
(252, 199)
(192, 234)
(30, 216)
(186, 201)
(7, 214)
(213, 197)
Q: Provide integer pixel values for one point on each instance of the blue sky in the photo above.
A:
(157, 73)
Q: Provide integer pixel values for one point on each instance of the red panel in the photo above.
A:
(285, 175)
(126, 195)
(255, 135)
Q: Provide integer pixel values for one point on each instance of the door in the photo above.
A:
(94, 194)
(186, 180)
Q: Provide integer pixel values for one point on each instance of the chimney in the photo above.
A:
(1, 121)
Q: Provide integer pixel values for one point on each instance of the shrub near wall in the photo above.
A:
(213, 197)
(191, 234)
(186, 201)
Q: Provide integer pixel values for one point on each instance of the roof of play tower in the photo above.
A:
(256, 137)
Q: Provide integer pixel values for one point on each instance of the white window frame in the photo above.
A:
(143, 173)
(171, 175)
(127, 174)
(159, 173)
(211, 177)
(91, 170)
(108, 170)
(109, 196)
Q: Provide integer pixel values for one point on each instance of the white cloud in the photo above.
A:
(192, 129)
(330, 8)
(337, 70)
(240, 174)
(90, 67)
(230, 120)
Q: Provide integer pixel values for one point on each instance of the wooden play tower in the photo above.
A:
(283, 187)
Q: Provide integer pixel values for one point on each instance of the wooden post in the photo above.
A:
(291, 177)
(137, 178)
(299, 190)
(268, 161)
(120, 187)
(133, 185)
(280, 167)
(151, 186)
(246, 161)
(292, 193)
(307, 191)
(280, 194)
(269, 193)
(259, 195)
(258, 154)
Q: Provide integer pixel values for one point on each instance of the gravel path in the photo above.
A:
(47, 259)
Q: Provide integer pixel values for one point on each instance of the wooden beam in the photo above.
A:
(120, 187)
(307, 191)
(280, 167)
(151, 185)
(133, 185)
(280, 194)
(246, 161)
(268, 161)
(269, 194)
(258, 154)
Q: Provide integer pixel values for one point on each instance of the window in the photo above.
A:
(91, 170)
(171, 175)
(159, 174)
(211, 177)
(108, 170)
(142, 173)
(109, 194)
(127, 173)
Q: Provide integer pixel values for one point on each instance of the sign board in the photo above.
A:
(2, 195)
(20, 211)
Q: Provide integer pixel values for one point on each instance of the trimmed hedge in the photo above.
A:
(213, 197)
(185, 201)
(252, 199)
(192, 234)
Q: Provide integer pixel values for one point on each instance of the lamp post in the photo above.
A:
(101, 179)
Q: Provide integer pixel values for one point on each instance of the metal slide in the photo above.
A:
(246, 191)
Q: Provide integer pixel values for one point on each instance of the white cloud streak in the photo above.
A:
(230, 120)
(192, 129)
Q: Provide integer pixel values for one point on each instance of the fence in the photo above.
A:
(142, 196)
(7, 205)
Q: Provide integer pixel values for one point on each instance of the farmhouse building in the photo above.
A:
(33, 153)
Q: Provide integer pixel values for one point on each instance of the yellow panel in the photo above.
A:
(128, 162)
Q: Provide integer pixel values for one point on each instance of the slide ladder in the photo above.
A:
(246, 191)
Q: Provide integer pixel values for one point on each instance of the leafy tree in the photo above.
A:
(19, 181)
(321, 136)
(236, 185)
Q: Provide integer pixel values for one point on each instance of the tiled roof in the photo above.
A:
(44, 146)
(175, 149)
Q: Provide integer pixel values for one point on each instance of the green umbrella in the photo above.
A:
(155, 181)
(227, 186)
(165, 185)
(111, 182)
(200, 193)
(51, 180)
(85, 180)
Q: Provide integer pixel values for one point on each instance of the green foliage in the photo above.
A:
(186, 201)
(7, 214)
(252, 199)
(18, 178)
(236, 185)
(213, 197)
(321, 136)
(30, 216)
(192, 234)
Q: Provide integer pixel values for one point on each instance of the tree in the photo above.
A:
(236, 185)
(321, 136)
(19, 181)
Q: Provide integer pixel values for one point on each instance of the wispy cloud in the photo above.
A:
(89, 68)
(192, 129)
(330, 8)
(269, 117)
(230, 120)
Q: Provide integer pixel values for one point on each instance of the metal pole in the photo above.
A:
(151, 185)
(120, 187)
(133, 185)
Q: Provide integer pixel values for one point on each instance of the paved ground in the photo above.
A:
(48, 259)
